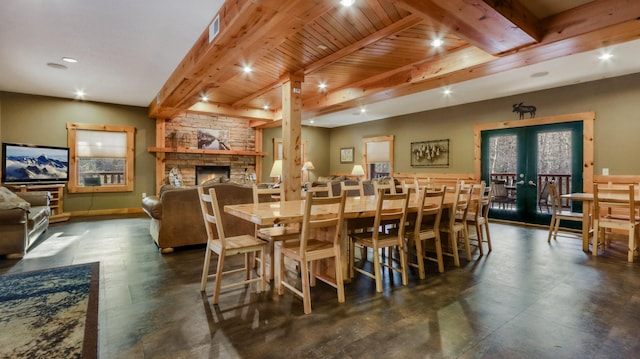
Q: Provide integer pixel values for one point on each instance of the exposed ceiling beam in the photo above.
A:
(226, 110)
(493, 26)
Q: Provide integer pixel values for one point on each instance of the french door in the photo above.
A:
(521, 161)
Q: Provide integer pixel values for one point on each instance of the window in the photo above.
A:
(378, 156)
(100, 158)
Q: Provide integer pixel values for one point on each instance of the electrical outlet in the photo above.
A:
(605, 171)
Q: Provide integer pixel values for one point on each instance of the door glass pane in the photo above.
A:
(503, 161)
(554, 164)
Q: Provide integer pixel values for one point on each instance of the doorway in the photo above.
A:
(521, 157)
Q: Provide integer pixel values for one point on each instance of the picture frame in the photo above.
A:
(430, 153)
(346, 154)
(213, 139)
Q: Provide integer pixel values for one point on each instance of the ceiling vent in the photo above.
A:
(214, 28)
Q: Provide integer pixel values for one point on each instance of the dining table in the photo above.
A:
(356, 208)
(587, 211)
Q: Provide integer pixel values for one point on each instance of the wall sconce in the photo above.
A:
(357, 171)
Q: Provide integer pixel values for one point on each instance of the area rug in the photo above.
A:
(51, 313)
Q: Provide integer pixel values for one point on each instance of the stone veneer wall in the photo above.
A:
(182, 132)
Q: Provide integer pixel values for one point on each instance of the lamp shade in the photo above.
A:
(276, 170)
(308, 166)
(357, 171)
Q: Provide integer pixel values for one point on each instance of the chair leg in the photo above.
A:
(552, 224)
(218, 281)
(205, 269)
(377, 269)
(420, 257)
(247, 266)
(339, 279)
(306, 296)
(453, 241)
(594, 246)
(312, 272)
(263, 269)
(632, 236)
(486, 229)
(467, 246)
(403, 262)
(439, 257)
(280, 273)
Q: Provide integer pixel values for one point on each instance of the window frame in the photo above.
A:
(73, 185)
(390, 140)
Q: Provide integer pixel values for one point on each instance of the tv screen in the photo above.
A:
(23, 163)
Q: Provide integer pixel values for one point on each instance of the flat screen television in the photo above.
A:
(24, 163)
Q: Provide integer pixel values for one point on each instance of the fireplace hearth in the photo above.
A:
(205, 173)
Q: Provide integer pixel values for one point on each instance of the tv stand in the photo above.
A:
(57, 197)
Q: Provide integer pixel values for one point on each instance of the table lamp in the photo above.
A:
(276, 170)
(357, 171)
(306, 167)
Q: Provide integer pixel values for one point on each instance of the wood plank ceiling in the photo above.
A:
(373, 50)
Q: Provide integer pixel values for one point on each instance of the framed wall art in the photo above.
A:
(430, 153)
(346, 155)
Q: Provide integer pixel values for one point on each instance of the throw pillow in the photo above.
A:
(9, 200)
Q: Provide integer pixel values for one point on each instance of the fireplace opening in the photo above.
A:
(205, 173)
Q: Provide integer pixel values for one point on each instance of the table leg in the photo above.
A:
(586, 225)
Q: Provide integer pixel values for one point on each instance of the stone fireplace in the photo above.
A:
(205, 173)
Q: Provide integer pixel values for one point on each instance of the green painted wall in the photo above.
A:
(42, 120)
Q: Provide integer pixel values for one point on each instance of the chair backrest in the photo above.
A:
(475, 201)
(486, 201)
(211, 214)
(265, 194)
(320, 191)
(617, 199)
(391, 208)
(352, 188)
(388, 187)
(498, 188)
(554, 197)
(460, 205)
(423, 182)
(321, 212)
(432, 221)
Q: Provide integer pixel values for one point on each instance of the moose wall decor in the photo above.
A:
(522, 109)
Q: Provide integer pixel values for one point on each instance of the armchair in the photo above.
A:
(23, 218)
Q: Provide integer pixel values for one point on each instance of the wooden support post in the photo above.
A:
(291, 135)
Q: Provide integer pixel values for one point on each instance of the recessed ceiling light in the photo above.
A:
(446, 91)
(266, 107)
(363, 110)
(437, 42)
(322, 47)
(80, 94)
(69, 60)
(540, 74)
(605, 56)
(204, 98)
(347, 3)
(55, 65)
(247, 69)
(312, 121)
(322, 85)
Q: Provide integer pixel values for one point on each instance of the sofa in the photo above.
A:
(23, 218)
(176, 218)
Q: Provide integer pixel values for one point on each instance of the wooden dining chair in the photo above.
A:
(426, 227)
(479, 204)
(322, 215)
(615, 209)
(352, 188)
(321, 191)
(453, 223)
(388, 186)
(559, 214)
(272, 233)
(224, 247)
(381, 237)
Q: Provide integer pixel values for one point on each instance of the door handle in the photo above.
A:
(520, 182)
(531, 183)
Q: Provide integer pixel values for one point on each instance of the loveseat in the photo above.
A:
(176, 218)
(23, 218)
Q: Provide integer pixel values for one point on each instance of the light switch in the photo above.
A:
(605, 171)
